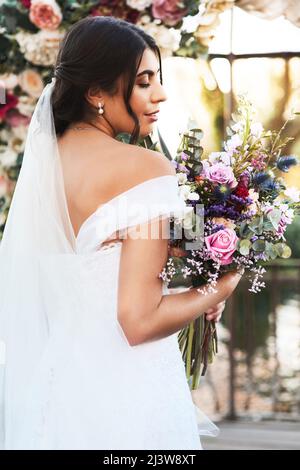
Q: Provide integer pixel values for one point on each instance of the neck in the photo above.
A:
(92, 125)
(104, 126)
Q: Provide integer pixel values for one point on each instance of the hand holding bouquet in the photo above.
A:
(237, 211)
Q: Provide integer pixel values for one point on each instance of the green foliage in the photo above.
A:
(190, 47)
(293, 238)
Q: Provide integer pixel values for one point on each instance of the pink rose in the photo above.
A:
(168, 11)
(222, 245)
(45, 14)
(15, 119)
(220, 174)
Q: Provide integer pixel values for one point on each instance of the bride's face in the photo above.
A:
(147, 93)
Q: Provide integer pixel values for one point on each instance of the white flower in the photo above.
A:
(292, 193)
(238, 127)
(40, 48)
(194, 197)
(31, 82)
(18, 138)
(9, 80)
(290, 214)
(287, 211)
(256, 129)
(283, 207)
(184, 191)
(145, 19)
(5, 135)
(219, 157)
(233, 143)
(181, 177)
(26, 105)
(8, 157)
(139, 5)
(167, 39)
(254, 196)
(188, 220)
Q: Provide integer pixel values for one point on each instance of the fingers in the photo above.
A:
(176, 251)
(215, 313)
(240, 270)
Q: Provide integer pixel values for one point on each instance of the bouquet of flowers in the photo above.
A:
(237, 211)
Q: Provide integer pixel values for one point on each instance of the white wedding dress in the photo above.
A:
(91, 389)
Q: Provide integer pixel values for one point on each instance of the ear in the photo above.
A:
(93, 96)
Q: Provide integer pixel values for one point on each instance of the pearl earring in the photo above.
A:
(100, 110)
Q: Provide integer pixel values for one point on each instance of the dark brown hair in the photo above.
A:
(95, 53)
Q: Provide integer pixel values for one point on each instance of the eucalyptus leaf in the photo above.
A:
(268, 226)
(256, 225)
(259, 245)
(274, 216)
(244, 247)
(271, 251)
(243, 229)
(283, 250)
(199, 133)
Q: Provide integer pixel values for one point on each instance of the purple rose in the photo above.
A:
(168, 11)
(220, 174)
(222, 245)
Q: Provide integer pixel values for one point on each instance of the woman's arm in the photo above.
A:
(143, 312)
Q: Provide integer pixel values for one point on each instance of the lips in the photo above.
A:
(153, 114)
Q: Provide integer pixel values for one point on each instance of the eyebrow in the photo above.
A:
(148, 72)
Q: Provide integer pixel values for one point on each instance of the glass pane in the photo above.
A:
(274, 98)
(252, 34)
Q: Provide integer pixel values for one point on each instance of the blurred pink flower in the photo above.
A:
(11, 102)
(14, 118)
(45, 14)
(169, 11)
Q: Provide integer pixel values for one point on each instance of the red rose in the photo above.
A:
(26, 3)
(241, 191)
(11, 102)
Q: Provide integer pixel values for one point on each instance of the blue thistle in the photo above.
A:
(222, 192)
(270, 185)
(285, 162)
(260, 178)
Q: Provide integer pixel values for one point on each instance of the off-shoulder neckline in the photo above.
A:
(85, 222)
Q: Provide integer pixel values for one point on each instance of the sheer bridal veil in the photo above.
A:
(35, 279)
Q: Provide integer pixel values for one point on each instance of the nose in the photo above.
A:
(159, 93)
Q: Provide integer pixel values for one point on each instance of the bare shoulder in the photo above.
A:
(147, 163)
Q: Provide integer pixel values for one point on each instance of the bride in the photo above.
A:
(89, 329)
